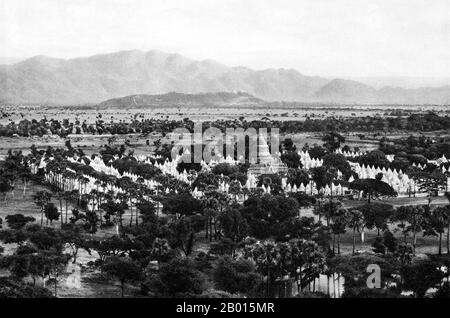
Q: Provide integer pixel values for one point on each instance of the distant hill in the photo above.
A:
(180, 99)
(9, 60)
(403, 81)
(347, 91)
(94, 79)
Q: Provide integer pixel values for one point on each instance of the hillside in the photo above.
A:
(94, 79)
(180, 99)
(347, 91)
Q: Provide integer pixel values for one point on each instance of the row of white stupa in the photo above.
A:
(439, 161)
(169, 168)
(68, 184)
(92, 184)
(310, 188)
(98, 164)
(366, 171)
(349, 153)
(309, 162)
(390, 157)
(397, 179)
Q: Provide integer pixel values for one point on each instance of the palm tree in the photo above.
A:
(60, 195)
(41, 199)
(71, 177)
(5, 187)
(267, 258)
(95, 201)
(68, 195)
(438, 219)
(307, 262)
(131, 196)
(25, 175)
(401, 217)
(120, 210)
(355, 221)
(415, 217)
(98, 195)
(340, 220)
(331, 175)
(416, 220)
(210, 204)
(330, 211)
(448, 223)
(140, 192)
(102, 196)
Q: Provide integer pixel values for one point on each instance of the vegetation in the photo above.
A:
(156, 234)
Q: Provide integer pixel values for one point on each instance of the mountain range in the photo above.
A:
(92, 80)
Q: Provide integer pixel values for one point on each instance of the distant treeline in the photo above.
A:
(415, 122)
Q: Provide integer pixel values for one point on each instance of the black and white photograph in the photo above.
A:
(250, 151)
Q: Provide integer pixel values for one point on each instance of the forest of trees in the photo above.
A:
(254, 247)
(415, 122)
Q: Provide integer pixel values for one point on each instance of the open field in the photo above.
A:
(92, 143)
(90, 115)
(282, 113)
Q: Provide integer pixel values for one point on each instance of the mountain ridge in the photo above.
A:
(180, 99)
(94, 79)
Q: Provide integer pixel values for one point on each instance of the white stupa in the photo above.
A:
(267, 163)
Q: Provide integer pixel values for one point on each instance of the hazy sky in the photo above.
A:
(320, 37)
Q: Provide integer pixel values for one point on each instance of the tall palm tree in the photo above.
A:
(447, 194)
(339, 223)
(355, 222)
(60, 195)
(211, 206)
(438, 220)
(68, 195)
(416, 220)
(42, 198)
